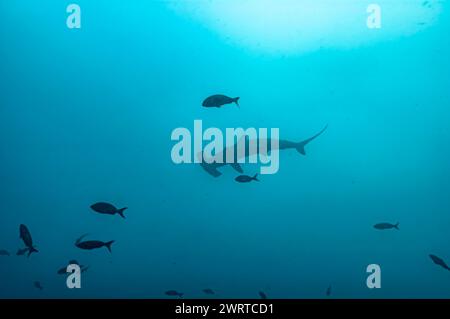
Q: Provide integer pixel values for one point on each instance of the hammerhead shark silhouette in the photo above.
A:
(212, 168)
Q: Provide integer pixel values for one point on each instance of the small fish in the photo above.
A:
(328, 293)
(440, 262)
(4, 252)
(28, 241)
(384, 226)
(63, 270)
(262, 295)
(93, 244)
(38, 285)
(208, 291)
(246, 178)
(219, 100)
(173, 293)
(106, 208)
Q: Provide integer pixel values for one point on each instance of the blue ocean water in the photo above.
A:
(86, 115)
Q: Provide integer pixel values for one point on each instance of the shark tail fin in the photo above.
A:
(108, 245)
(236, 100)
(120, 212)
(300, 147)
(256, 178)
(396, 226)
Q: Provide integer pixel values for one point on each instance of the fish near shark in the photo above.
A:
(246, 178)
(212, 168)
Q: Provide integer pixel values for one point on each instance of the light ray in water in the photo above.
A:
(298, 26)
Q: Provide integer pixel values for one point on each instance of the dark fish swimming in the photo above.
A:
(4, 252)
(106, 208)
(212, 168)
(440, 262)
(384, 226)
(63, 270)
(174, 293)
(93, 244)
(218, 100)
(246, 178)
(28, 241)
(208, 291)
(328, 293)
(38, 285)
(262, 295)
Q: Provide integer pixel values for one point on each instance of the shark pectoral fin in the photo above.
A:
(237, 167)
(301, 149)
(210, 169)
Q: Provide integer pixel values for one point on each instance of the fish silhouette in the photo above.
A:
(328, 293)
(109, 209)
(262, 295)
(219, 100)
(246, 178)
(95, 244)
(439, 261)
(208, 291)
(38, 285)
(28, 241)
(174, 293)
(63, 270)
(384, 226)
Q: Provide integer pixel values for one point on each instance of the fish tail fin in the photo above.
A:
(181, 295)
(108, 245)
(255, 178)
(300, 147)
(32, 250)
(120, 212)
(396, 226)
(236, 100)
